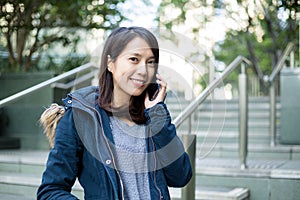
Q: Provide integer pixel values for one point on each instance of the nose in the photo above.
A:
(142, 70)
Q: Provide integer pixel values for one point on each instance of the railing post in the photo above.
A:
(243, 117)
(272, 100)
(189, 142)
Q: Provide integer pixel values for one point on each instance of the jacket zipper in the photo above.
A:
(154, 172)
(121, 181)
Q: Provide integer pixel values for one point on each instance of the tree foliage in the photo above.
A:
(262, 35)
(264, 31)
(258, 30)
(29, 27)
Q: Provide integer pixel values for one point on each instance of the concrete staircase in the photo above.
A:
(21, 171)
(273, 172)
(214, 115)
(20, 174)
(216, 125)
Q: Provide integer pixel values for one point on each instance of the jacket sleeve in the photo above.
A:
(63, 162)
(171, 155)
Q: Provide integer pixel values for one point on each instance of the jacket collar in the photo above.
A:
(87, 95)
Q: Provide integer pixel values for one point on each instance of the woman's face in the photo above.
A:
(133, 69)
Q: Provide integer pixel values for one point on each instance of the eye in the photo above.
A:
(151, 63)
(133, 59)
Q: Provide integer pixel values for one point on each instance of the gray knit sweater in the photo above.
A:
(130, 149)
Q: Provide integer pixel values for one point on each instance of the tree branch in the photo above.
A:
(12, 58)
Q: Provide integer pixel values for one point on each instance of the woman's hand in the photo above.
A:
(161, 94)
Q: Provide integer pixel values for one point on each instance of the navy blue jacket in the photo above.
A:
(84, 149)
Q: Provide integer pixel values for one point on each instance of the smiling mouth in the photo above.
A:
(138, 82)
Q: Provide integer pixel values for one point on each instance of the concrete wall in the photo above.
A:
(21, 118)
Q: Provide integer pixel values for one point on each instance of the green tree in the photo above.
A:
(261, 32)
(29, 27)
(264, 32)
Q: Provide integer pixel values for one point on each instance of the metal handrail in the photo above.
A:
(46, 83)
(272, 93)
(208, 90)
(188, 192)
(280, 64)
(77, 81)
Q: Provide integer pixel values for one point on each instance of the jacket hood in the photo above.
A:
(87, 95)
(52, 115)
(91, 122)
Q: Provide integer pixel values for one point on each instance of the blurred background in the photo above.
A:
(61, 35)
(232, 68)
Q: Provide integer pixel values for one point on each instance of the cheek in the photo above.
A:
(151, 70)
(151, 73)
(119, 71)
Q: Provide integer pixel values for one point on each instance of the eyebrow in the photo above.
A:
(139, 55)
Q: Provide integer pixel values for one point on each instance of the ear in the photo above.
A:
(110, 64)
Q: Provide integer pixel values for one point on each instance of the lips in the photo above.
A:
(138, 82)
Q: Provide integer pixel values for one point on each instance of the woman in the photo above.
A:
(117, 139)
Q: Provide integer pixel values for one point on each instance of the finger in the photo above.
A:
(160, 80)
(163, 87)
(162, 92)
(159, 77)
(147, 96)
(147, 102)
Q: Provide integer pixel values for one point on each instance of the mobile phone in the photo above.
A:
(153, 90)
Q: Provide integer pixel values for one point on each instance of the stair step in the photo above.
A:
(27, 184)
(5, 196)
(255, 151)
(33, 162)
(19, 184)
(24, 186)
(228, 135)
(9, 142)
(266, 179)
(271, 168)
(18, 161)
(215, 193)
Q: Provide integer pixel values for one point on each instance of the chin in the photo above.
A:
(135, 94)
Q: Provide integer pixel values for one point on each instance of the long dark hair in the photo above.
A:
(115, 44)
